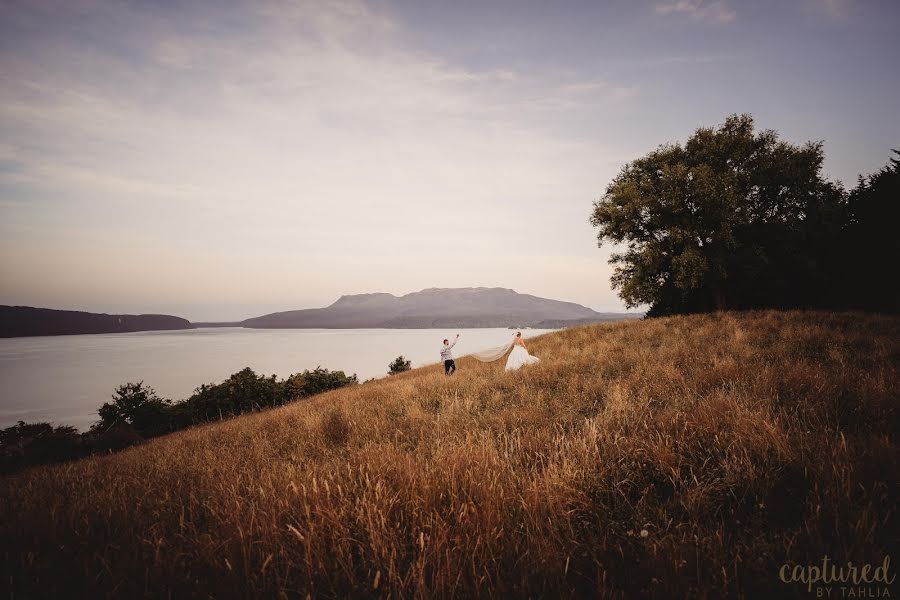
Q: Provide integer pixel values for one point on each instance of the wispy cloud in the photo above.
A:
(238, 134)
(715, 12)
(293, 150)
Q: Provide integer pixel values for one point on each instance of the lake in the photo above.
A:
(65, 379)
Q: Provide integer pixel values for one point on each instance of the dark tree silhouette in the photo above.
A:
(38, 443)
(731, 219)
(137, 406)
(872, 242)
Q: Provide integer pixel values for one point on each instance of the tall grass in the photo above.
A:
(678, 457)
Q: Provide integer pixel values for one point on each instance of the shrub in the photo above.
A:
(322, 380)
(399, 365)
(244, 391)
(136, 405)
(137, 412)
(37, 443)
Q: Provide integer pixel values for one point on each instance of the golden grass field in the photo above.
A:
(737, 442)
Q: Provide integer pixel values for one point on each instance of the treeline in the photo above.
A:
(20, 321)
(137, 413)
(739, 219)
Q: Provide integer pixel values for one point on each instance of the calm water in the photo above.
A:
(65, 379)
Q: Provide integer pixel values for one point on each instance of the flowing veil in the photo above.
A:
(492, 354)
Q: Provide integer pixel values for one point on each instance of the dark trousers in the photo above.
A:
(449, 367)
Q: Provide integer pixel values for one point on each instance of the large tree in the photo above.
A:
(732, 219)
(872, 243)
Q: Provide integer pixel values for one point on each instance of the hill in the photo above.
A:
(22, 321)
(677, 457)
(435, 307)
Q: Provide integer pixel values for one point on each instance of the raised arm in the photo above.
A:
(454, 341)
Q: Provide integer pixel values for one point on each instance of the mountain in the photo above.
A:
(22, 321)
(435, 307)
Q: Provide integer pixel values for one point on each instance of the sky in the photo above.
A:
(222, 160)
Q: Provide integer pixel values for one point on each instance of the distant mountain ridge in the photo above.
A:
(436, 307)
(446, 308)
(26, 321)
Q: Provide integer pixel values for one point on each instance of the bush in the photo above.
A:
(399, 365)
(322, 380)
(244, 391)
(137, 412)
(37, 443)
(136, 405)
(117, 437)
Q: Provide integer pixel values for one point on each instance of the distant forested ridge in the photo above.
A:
(22, 321)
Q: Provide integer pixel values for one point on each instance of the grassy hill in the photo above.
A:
(686, 456)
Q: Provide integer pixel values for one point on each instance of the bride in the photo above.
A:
(518, 358)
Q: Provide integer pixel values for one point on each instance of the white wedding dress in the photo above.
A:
(519, 357)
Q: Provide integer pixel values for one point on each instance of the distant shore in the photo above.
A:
(433, 308)
(437, 323)
(27, 321)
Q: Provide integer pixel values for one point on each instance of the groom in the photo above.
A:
(447, 356)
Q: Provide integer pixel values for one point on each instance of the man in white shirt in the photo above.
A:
(447, 356)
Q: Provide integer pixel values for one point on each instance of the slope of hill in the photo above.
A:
(677, 457)
(435, 307)
(21, 321)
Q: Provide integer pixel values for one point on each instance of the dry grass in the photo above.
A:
(738, 442)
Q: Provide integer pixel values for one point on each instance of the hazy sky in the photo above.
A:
(220, 160)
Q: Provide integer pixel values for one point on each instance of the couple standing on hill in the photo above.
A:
(519, 357)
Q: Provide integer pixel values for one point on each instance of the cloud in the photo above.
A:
(277, 137)
(716, 12)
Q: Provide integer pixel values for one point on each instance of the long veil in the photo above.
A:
(492, 354)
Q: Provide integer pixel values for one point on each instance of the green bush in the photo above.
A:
(140, 407)
(399, 365)
(136, 412)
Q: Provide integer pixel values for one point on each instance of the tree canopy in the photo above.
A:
(734, 218)
(872, 240)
